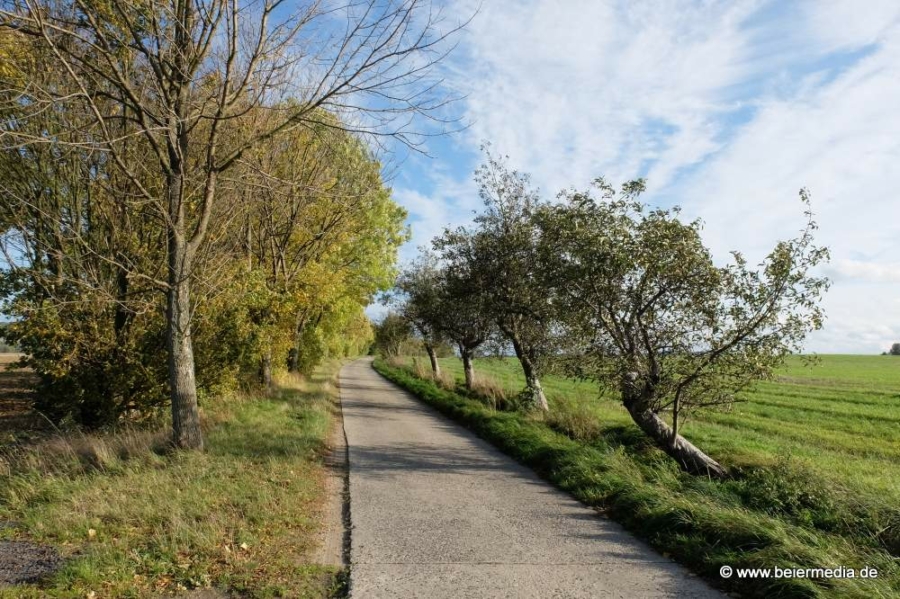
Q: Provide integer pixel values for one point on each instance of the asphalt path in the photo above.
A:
(437, 512)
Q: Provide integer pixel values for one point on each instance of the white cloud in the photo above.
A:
(843, 24)
(729, 108)
(841, 140)
(863, 271)
(450, 202)
(576, 89)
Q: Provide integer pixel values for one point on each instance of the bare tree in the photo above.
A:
(181, 74)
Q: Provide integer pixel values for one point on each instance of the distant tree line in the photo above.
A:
(602, 287)
(189, 192)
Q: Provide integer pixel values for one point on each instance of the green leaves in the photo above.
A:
(638, 292)
(604, 287)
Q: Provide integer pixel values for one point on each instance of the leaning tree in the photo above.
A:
(650, 314)
(501, 252)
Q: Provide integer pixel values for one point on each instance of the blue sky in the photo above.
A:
(727, 108)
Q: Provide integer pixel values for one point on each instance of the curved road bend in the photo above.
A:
(437, 512)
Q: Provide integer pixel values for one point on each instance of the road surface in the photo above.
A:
(436, 512)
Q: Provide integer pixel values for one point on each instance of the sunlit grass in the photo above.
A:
(242, 515)
(840, 416)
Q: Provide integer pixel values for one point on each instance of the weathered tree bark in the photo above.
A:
(637, 398)
(432, 355)
(265, 371)
(533, 389)
(468, 369)
(186, 431)
(535, 393)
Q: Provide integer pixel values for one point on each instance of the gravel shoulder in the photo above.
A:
(437, 512)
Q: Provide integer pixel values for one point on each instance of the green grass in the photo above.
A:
(839, 418)
(134, 522)
(815, 456)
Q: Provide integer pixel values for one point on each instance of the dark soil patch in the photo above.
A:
(22, 561)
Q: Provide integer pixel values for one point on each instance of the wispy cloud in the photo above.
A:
(728, 109)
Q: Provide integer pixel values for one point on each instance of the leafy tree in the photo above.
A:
(649, 314)
(465, 318)
(320, 227)
(80, 276)
(181, 80)
(390, 334)
(895, 349)
(500, 252)
(422, 305)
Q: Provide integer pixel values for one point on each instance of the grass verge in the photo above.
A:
(136, 520)
(701, 523)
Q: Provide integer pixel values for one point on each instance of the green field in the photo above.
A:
(839, 417)
(814, 454)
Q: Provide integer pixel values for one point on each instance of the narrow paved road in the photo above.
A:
(437, 512)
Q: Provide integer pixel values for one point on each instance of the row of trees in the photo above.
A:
(187, 179)
(602, 287)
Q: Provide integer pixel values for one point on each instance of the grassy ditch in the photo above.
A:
(136, 520)
(778, 515)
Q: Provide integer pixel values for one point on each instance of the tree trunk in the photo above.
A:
(265, 371)
(533, 389)
(468, 369)
(637, 400)
(294, 354)
(123, 314)
(535, 393)
(186, 431)
(432, 355)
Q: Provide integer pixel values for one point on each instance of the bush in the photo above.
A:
(87, 372)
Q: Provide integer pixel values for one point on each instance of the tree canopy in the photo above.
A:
(212, 152)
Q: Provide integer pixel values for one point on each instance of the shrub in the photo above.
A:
(575, 420)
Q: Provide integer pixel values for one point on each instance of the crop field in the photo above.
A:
(839, 417)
